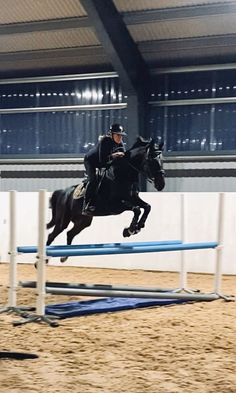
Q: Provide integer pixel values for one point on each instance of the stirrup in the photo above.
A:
(88, 209)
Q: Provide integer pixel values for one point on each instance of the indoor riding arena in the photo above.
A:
(118, 196)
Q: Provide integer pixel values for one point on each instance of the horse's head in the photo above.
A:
(147, 157)
(153, 165)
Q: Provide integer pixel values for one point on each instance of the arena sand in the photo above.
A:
(179, 349)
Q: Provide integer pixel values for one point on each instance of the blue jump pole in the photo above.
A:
(33, 249)
(132, 250)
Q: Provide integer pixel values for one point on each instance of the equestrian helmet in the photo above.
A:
(117, 129)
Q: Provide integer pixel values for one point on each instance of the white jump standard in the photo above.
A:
(12, 288)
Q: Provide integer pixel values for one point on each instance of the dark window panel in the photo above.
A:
(69, 132)
(156, 123)
(189, 128)
(225, 127)
(225, 84)
(180, 86)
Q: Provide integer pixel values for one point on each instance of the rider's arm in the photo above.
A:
(117, 154)
(119, 151)
(109, 151)
(105, 148)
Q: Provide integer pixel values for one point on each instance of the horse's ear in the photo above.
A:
(140, 139)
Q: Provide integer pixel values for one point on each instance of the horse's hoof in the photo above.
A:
(36, 263)
(126, 232)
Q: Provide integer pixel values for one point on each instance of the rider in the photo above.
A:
(109, 147)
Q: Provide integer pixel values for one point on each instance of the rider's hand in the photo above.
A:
(118, 154)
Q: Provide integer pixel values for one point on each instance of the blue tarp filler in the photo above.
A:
(95, 306)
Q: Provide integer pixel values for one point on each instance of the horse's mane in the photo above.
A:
(140, 142)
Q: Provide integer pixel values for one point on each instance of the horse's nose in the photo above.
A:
(160, 183)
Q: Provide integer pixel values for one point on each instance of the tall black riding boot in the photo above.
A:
(88, 206)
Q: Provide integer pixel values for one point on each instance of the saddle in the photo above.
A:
(79, 191)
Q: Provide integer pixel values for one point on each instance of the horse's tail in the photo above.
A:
(53, 206)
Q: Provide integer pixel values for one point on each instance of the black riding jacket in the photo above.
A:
(100, 155)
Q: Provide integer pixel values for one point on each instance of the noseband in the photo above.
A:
(160, 171)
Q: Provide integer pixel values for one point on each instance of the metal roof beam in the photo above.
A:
(44, 25)
(193, 68)
(175, 45)
(158, 46)
(118, 44)
(130, 18)
(85, 51)
(148, 16)
(59, 78)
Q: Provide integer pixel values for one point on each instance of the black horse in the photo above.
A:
(117, 191)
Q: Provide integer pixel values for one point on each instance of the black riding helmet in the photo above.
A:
(117, 129)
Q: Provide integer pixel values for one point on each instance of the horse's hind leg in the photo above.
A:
(51, 223)
(79, 225)
(82, 223)
(56, 231)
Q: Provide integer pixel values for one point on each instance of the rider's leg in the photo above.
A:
(89, 194)
(90, 188)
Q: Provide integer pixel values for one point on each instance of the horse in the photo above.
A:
(117, 191)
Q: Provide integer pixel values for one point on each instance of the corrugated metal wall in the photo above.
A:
(33, 176)
(182, 174)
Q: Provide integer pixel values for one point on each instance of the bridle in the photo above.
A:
(146, 171)
(157, 155)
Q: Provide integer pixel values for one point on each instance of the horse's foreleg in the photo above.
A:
(79, 225)
(147, 208)
(144, 216)
(132, 229)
